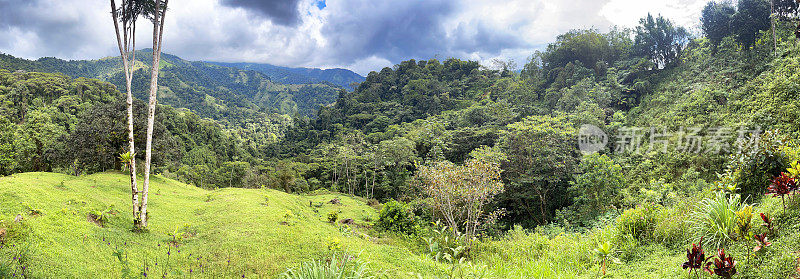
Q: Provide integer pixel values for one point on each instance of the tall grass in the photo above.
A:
(714, 220)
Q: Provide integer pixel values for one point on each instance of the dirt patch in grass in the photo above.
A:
(94, 219)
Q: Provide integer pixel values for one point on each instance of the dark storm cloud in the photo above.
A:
(399, 30)
(283, 12)
(393, 30)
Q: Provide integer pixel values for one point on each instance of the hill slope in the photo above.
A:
(339, 77)
(259, 231)
(213, 91)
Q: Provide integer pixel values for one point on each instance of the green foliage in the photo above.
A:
(638, 223)
(752, 17)
(752, 169)
(541, 158)
(460, 195)
(596, 187)
(660, 41)
(340, 77)
(715, 220)
(101, 217)
(605, 254)
(338, 266)
(333, 216)
(397, 217)
(589, 47)
(447, 244)
(178, 234)
(716, 21)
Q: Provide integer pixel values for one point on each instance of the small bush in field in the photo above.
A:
(447, 244)
(333, 216)
(723, 265)
(638, 222)
(397, 217)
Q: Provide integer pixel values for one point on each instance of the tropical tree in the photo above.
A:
(542, 155)
(597, 185)
(752, 17)
(716, 20)
(7, 151)
(157, 16)
(127, 14)
(460, 194)
(661, 41)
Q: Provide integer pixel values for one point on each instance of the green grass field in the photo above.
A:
(229, 233)
(261, 232)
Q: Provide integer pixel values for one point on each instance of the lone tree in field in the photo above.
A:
(157, 15)
(127, 14)
(460, 193)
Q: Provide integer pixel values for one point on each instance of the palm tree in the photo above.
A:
(156, 14)
(128, 13)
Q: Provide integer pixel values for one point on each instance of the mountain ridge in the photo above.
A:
(185, 83)
(301, 75)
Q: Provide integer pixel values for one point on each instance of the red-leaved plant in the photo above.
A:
(724, 266)
(782, 185)
(761, 242)
(695, 257)
(768, 223)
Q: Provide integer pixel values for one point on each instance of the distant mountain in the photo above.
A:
(219, 92)
(340, 77)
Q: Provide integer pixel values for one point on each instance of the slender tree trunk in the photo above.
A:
(158, 31)
(772, 23)
(128, 45)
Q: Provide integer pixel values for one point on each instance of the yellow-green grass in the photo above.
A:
(261, 232)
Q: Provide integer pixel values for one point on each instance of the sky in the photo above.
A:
(360, 35)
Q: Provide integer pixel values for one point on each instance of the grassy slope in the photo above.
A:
(234, 225)
(240, 225)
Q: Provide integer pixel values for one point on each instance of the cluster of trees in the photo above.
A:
(746, 20)
(79, 126)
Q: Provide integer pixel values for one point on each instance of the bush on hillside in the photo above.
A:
(397, 217)
(639, 222)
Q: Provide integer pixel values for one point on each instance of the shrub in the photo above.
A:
(397, 217)
(752, 169)
(460, 194)
(339, 266)
(715, 220)
(333, 216)
(639, 222)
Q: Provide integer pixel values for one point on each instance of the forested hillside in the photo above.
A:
(340, 77)
(221, 93)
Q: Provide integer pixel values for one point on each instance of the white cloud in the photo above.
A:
(628, 12)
